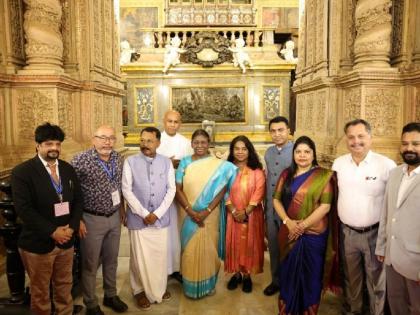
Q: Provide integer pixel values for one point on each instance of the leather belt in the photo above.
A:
(99, 214)
(363, 229)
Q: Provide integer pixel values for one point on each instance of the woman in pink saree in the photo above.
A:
(245, 219)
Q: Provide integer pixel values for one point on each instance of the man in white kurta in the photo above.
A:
(148, 185)
(174, 146)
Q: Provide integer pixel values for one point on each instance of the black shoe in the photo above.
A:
(271, 289)
(247, 284)
(94, 311)
(77, 309)
(234, 281)
(116, 304)
(177, 276)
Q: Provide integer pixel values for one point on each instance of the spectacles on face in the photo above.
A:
(105, 138)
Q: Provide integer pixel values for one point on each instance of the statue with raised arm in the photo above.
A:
(287, 52)
(240, 57)
(172, 54)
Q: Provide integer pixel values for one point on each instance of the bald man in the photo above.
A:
(174, 146)
(99, 170)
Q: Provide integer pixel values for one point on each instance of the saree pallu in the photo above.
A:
(304, 263)
(245, 241)
(202, 248)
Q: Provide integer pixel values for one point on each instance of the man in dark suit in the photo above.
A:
(48, 200)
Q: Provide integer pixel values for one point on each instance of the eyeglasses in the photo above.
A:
(105, 138)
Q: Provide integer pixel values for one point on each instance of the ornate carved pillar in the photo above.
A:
(416, 50)
(372, 45)
(44, 43)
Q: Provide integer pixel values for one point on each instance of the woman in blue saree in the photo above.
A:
(303, 199)
(202, 181)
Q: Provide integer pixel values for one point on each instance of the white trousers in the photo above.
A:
(148, 262)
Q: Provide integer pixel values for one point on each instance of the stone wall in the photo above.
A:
(358, 59)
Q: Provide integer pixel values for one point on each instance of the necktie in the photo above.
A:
(53, 168)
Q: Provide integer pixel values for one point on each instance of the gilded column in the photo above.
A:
(372, 45)
(44, 43)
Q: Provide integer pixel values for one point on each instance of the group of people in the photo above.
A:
(187, 211)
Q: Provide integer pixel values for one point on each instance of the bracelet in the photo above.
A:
(209, 210)
(233, 211)
(186, 207)
(285, 220)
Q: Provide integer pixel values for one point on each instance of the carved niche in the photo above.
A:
(382, 108)
(207, 49)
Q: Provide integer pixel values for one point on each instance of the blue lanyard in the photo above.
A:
(109, 172)
(58, 188)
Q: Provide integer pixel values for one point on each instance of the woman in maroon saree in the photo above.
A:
(303, 199)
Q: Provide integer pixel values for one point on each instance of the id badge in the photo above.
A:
(61, 209)
(116, 200)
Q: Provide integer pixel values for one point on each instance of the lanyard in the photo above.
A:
(109, 172)
(58, 188)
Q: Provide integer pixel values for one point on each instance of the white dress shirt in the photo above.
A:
(176, 146)
(406, 182)
(361, 188)
(134, 203)
(48, 168)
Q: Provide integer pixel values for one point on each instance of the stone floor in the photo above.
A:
(224, 302)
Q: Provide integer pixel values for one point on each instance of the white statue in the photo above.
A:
(240, 57)
(287, 52)
(172, 54)
(126, 52)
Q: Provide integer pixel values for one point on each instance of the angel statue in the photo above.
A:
(240, 57)
(287, 52)
(172, 54)
(126, 52)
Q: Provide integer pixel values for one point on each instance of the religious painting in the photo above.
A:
(280, 18)
(222, 104)
(133, 20)
(144, 105)
(271, 102)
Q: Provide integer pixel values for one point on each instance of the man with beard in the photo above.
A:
(99, 170)
(362, 176)
(174, 146)
(399, 230)
(48, 200)
(148, 186)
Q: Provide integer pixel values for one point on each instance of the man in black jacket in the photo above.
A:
(48, 200)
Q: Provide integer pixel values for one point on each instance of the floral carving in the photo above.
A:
(382, 110)
(108, 115)
(418, 105)
(65, 113)
(33, 108)
(144, 105)
(320, 109)
(352, 103)
(271, 99)
(397, 27)
(97, 110)
(15, 9)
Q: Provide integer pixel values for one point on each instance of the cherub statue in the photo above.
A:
(240, 57)
(126, 52)
(287, 52)
(172, 54)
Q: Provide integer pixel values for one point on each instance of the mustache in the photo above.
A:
(410, 153)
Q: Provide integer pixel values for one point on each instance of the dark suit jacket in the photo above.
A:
(34, 197)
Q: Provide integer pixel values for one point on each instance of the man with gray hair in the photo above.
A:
(362, 176)
(100, 170)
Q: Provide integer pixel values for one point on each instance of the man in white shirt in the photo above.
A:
(174, 146)
(398, 243)
(148, 185)
(362, 177)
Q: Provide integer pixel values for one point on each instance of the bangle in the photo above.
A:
(186, 207)
(285, 220)
(233, 211)
(209, 210)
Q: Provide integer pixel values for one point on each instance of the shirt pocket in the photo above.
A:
(374, 186)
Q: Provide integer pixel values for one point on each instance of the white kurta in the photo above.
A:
(176, 147)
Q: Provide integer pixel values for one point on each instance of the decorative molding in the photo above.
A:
(145, 105)
(66, 112)
(271, 102)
